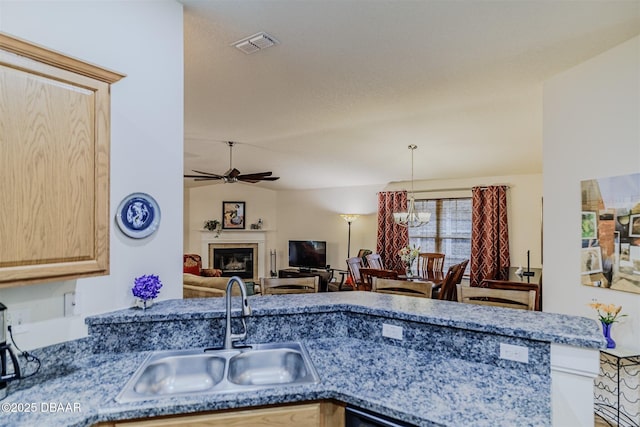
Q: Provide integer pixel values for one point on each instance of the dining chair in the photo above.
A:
(448, 290)
(354, 264)
(510, 298)
(402, 287)
(463, 267)
(362, 254)
(290, 285)
(374, 261)
(430, 261)
(506, 284)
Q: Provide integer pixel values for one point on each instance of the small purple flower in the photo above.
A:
(147, 287)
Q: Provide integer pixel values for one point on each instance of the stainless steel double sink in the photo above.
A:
(199, 371)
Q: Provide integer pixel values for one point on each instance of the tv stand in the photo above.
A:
(324, 275)
(304, 270)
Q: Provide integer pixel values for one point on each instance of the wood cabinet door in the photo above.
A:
(54, 165)
(316, 414)
(286, 416)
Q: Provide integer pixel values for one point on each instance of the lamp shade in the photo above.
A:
(350, 217)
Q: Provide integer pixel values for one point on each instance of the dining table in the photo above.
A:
(437, 277)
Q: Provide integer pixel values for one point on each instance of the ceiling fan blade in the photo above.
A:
(201, 177)
(208, 174)
(254, 179)
(206, 179)
(258, 175)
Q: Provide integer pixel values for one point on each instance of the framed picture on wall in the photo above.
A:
(591, 260)
(634, 226)
(233, 215)
(589, 225)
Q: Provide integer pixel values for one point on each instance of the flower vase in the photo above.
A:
(407, 272)
(606, 331)
(144, 303)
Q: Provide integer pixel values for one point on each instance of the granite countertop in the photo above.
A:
(420, 385)
(541, 326)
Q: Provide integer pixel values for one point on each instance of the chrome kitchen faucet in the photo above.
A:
(229, 337)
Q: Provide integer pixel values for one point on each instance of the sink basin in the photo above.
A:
(272, 366)
(198, 371)
(188, 373)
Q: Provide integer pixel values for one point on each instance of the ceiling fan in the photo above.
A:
(233, 174)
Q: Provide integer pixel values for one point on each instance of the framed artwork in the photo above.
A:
(591, 260)
(589, 225)
(611, 259)
(233, 215)
(634, 226)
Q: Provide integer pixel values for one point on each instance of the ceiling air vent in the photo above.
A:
(255, 43)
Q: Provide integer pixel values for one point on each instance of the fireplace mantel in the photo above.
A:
(240, 237)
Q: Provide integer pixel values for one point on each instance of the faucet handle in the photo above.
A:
(246, 309)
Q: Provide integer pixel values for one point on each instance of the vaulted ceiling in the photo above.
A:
(350, 84)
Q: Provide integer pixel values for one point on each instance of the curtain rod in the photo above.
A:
(437, 190)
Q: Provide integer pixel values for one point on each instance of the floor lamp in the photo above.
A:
(349, 218)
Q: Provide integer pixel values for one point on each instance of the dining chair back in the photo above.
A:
(511, 298)
(375, 261)
(362, 254)
(368, 274)
(463, 267)
(448, 289)
(506, 284)
(430, 261)
(290, 285)
(402, 287)
(354, 264)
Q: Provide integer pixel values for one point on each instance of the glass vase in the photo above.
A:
(143, 303)
(606, 331)
(408, 272)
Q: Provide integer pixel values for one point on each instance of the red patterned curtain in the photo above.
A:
(391, 237)
(489, 234)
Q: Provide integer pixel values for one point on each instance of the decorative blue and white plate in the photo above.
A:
(138, 215)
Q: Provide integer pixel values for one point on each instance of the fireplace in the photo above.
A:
(235, 259)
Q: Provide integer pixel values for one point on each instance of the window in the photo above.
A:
(448, 231)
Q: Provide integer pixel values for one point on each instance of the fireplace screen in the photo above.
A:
(234, 262)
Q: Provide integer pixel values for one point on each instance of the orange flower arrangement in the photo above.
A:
(607, 313)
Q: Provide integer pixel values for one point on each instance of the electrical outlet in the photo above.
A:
(392, 331)
(19, 320)
(70, 304)
(517, 353)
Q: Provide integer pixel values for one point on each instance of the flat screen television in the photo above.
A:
(307, 254)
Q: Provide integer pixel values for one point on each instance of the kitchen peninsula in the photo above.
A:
(445, 371)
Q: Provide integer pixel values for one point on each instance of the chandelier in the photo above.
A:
(411, 218)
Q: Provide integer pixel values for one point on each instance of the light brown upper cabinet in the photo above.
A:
(54, 165)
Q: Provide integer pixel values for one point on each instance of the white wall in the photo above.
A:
(591, 130)
(143, 40)
(315, 215)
